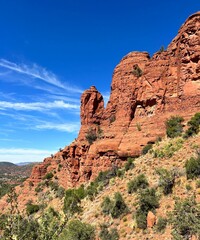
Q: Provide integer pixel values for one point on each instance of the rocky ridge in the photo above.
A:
(145, 91)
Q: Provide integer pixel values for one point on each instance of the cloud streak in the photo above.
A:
(63, 127)
(14, 151)
(38, 72)
(17, 155)
(37, 106)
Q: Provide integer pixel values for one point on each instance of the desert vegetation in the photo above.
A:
(119, 198)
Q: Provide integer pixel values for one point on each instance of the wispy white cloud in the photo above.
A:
(17, 155)
(64, 98)
(31, 122)
(15, 151)
(20, 117)
(50, 106)
(37, 106)
(63, 127)
(38, 72)
(7, 95)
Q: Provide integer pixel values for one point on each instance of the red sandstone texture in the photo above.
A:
(144, 93)
(151, 219)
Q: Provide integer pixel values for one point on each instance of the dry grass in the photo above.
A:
(147, 165)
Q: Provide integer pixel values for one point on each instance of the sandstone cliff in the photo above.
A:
(139, 104)
(145, 91)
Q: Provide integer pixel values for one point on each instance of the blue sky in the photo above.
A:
(52, 50)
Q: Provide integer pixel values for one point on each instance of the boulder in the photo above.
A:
(151, 219)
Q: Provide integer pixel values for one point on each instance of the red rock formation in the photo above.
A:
(144, 93)
(151, 219)
(168, 84)
(92, 107)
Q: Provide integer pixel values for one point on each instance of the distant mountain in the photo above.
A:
(12, 174)
(25, 163)
(7, 164)
(10, 171)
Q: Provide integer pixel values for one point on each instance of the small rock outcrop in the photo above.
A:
(92, 107)
(151, 219)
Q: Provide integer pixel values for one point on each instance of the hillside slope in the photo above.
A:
(148, 165)
(165, 221)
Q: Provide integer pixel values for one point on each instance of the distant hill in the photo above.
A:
(12, 175)
(10, 171)
(6, 164)
(25, 163)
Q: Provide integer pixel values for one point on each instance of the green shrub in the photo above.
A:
(18, 227)
(80, 192)
(193, 167)
(5, 188)
(114, 234)
(120, 172)
(99, 133)
(139, 182)
(31, 184)
(188, 187)
(53, 185)
(167, 180)
(129, 164)
(106, 206)
(103, 178)
(141, 219)
(169, 149)
(185, 219)
(38, 189)
(71, 202)
(112, 119)
(50, 224)
(198, 184)
(162, 49)
(3, 220)
(161, 224)
(112, 173)
(92, 190)
(174, 127)
(91, 136)
(101, 181)
(158, 153)
(60, 192)
(147, 148)
(106, 235)
(158, 139)
(32, 208)
(137, 71)
(76, 230)
(48, 176)
(119, 206)
(193, 125)
(116, 207)
(147, 201)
